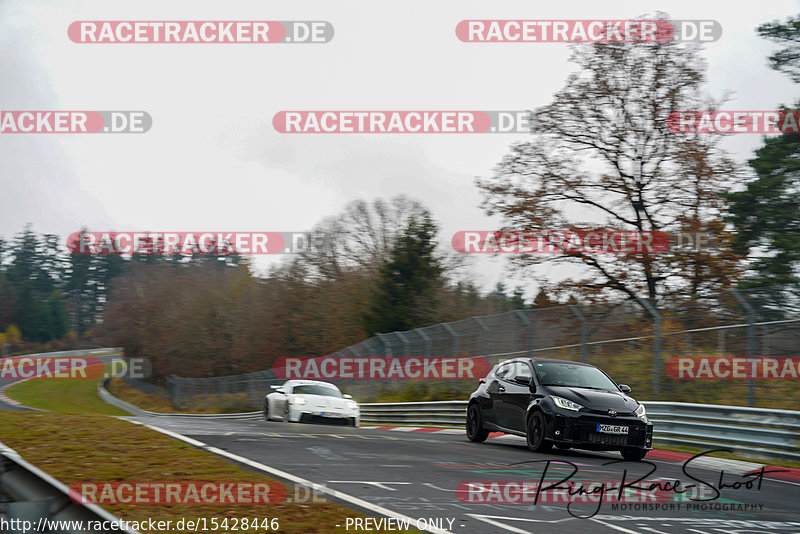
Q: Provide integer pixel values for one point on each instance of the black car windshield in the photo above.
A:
(311, 389)
(581, 376)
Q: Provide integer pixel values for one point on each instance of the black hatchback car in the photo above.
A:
(561, 403)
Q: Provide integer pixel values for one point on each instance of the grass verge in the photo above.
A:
(64, 396)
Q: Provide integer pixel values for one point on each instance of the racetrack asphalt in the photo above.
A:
(416, 474)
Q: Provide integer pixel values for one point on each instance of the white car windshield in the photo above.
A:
(313, 389)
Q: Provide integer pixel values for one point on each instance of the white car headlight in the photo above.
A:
(297, 400)
(567, 404)
(352, 405)
(640, 411)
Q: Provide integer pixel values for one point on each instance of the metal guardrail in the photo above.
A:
(764, 433)
(439, 413)
(103, 393)
(38, 496)
(108, 351)
(757, 432)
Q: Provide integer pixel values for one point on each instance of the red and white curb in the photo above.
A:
(428, 430)
(5, 398)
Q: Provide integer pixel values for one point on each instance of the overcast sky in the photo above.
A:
(212, 160)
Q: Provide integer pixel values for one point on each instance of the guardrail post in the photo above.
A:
(387, 350)
(405, 342)
(527, 338)
(584, 329)
(174, 390)
(455, 337)
(647, 305)
(486, 331)
(427, 339)
(751, 344)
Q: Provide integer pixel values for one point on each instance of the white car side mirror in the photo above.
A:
(347, 396)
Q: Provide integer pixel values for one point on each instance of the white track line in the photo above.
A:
(297, 480)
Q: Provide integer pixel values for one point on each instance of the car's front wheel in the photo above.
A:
(634, 455)
(266, 411)
(536, 433)
(475, 430)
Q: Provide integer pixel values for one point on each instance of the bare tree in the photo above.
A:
(360, 237)
(601, 155)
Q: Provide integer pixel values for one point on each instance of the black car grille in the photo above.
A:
(604, 413)
(607, 439)
(311, 418)
(585, 429)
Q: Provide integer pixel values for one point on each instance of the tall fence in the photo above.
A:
(635, 341)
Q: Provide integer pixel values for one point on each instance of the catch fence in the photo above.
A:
(635, 341)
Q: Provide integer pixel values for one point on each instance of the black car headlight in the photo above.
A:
(567, 404)
(640, 411)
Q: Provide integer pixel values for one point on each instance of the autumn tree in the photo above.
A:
(601, 155)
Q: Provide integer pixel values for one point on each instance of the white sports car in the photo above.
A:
(310, 401)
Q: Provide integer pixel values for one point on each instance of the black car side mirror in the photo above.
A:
(524, 380)
(625, 388)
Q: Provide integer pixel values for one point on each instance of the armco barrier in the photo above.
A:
(763, 433)
(103, 393)
(756, 432)
(439, 413)
(37, 496)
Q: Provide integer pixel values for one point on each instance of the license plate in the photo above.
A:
(612, 429)
(329, 414)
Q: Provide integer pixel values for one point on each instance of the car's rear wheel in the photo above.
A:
(634, 455)
(536, 433)
(475, 430)
(266, 411)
